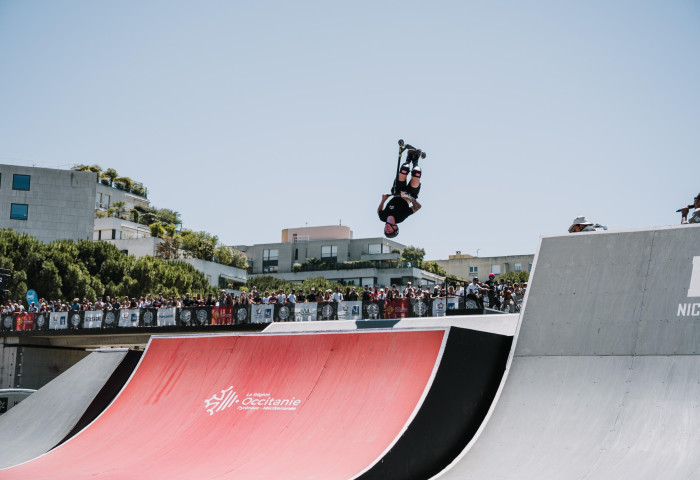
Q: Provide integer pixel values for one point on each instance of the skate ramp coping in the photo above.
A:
(499, 324)
(604, 377)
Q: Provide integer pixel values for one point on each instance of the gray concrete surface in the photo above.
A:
(40, 422)
(604, 379)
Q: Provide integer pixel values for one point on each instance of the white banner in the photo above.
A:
(92, 319)
(439, 307)
(305, 312)
(129, 317)
(262, 313)
(166, 317)
(349, 310)
(58, 321)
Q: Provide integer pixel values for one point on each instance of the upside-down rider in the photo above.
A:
(404, 193)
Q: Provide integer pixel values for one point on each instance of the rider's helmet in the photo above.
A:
(391, 230)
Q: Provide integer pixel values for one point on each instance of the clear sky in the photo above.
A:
(249, 117)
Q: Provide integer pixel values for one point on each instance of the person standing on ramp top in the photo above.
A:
(404, 193)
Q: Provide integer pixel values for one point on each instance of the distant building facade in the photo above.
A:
(46, 203)
(468, 266)
(332, 253)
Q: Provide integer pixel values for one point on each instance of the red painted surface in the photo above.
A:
(352, 394)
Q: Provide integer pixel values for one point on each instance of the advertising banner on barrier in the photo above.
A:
(305, 312)
(110, 318)
(439, 307)
(187, 316)
(41, 321)
(148, 317)
(219, 315)
(349, 310)
(202, 315)
(421, 307)
(25, 321)
(261, 313)
(58, 320)
(92, 319)
(129, 317)
(165, 317)
(327, 311)
(373, 310)
(241, 314)
(396, 308)
(75, 319)
(284, 312)
(8, 322)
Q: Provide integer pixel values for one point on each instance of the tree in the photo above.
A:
(110, 174)
(157, 230)
(515, 277)
(433, 267)
(118, 207)
(414, 255)
(125, 183)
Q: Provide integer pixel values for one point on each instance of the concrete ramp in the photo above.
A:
(371, 404)
(63, 406)
(604, 380)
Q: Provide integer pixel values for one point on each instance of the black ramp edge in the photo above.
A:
(465, 385)
(111, 388)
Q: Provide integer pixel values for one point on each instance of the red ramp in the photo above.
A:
(305, 406)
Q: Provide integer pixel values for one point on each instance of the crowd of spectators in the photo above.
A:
(501, 295)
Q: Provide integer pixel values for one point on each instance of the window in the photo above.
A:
(518, 267)
(20, 182)
(378, 248)
(329, 253)
(496, 269)
(19, 211)
(529, 267)
(473, 270)
(270, 260)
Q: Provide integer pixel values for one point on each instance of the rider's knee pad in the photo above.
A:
(405, 168)
(416, 172)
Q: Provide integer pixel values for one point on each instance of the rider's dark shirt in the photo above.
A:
(398, 208)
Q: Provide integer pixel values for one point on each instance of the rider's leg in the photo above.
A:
(415, 177)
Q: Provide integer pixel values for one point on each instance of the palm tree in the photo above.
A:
(110, 174)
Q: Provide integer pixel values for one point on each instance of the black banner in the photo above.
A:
(241, 314)
(420, 308)
(327, 311)
(284, 312)
(41, 321)
(373, 310)
(7, 323)
(148, 317)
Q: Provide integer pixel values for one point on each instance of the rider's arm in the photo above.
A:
(416, 206)
(381, 205)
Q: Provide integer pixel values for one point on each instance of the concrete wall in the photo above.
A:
(61, 203)
(33, 367)
(214, 270)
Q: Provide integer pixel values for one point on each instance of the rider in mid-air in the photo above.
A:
(404, 193)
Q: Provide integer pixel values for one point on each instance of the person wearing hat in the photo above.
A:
(582, 224)
(474, 292)
(695, 218)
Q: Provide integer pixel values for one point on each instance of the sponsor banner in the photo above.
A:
(58, 320)
(41, 321)
(24, 321)
(110, 318)
(452, 303)
(226, 315)
(327, 311)
(166, 317)
(373, 310)
(75, 318)
(396, 308)
(8, 322)
(93, 319)
(349, 310)
(284, 312)
(305, 312)
(186, 317)
(241, 314)
(262, 313)
(148, 317)
(439, 307)
(421, 307)
(202, 315)
(217, 315)
(129, 317)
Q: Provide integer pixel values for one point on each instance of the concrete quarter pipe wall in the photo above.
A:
(303, 406)
(605, 378)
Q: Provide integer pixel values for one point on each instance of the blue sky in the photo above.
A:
(252, 117)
